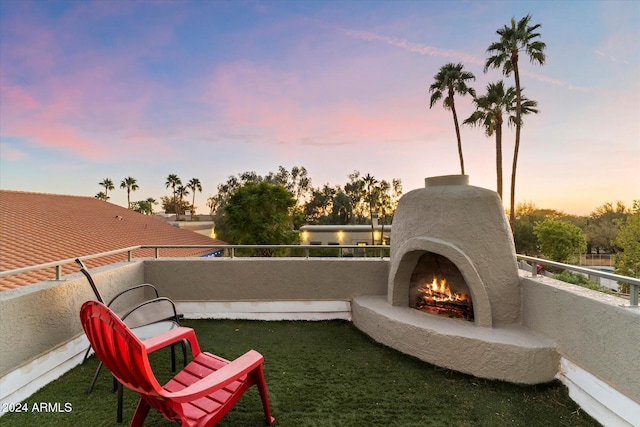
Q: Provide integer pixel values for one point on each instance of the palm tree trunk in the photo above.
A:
(512, 203)
(455, 122)
(499, 158)
(175, 202)
(373, 241)
(498, 130)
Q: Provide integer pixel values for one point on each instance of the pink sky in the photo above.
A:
(209, 90)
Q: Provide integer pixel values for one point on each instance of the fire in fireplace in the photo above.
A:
(436, 297)
(438, 287)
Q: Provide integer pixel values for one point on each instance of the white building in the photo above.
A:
(344, 234)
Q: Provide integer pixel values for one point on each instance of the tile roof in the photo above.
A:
(37, 228)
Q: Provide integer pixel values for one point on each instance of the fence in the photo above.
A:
(604, 260)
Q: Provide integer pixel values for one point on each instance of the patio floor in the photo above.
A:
(322, 374)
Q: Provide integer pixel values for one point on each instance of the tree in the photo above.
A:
(342, 209)
(560, 240)
(173, 181)
(452, 79)
(297, 182)
(108, 185)
(354, 190)
(195, 185)
(490, 111)
(504, 53)
(131, 185)
(101, 196)
(318, 210)
(527, 215)
(168, 205)
(370, 195)
(627, 262)
(144, 206)
(388, 202)
(259, 214)
(217, 202)
(603, 225)
(181, 193)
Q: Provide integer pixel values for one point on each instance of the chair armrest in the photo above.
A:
(133, 288)
(218, 379)
(173, 336)
(173, 314)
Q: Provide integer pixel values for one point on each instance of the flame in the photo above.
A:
(439, 290)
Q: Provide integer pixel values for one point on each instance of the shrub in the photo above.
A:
(580, 280)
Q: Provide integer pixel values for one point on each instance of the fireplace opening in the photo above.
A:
(438, 287)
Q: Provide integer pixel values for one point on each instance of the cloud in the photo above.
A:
(421, 49)
(10, 153)
(424, 49)
(79, 94)
(604, 55)
(277, 104)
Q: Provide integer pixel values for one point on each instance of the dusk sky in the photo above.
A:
(207, 89)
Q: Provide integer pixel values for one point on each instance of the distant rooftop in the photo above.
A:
(36, 228)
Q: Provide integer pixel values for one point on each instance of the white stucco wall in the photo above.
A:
(36, 318)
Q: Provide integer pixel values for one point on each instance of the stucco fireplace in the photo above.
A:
(454, 238)
(466, 227)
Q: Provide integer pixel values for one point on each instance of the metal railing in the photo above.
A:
(231, 249)
(634, 284)
(306, 249)
(58, 264)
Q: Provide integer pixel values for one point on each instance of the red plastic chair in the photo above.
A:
(146, 319)
(200, 395)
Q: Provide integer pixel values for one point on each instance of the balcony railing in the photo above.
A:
(372, 251)
(633, 283)
(306, 251)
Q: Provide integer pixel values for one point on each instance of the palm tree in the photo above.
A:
(369, 190)
(146, 206)
(108, 185)
(101, 196)
(453, 79)
(490, 111)
(504, 53)
(173, 181)
(181, 192)
(195, 185)
(131, 185)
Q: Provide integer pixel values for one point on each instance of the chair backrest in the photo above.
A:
(118, 348)
(131, 311)
(84, 271)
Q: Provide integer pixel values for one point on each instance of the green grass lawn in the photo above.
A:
(323, 374)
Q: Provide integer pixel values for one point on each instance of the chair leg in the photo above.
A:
(173, 357)
(141, 414)
(264, 396)
(184, 352)
(95, 377)
(120, 393)
(86, 355)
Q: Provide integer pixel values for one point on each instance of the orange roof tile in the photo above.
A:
(37, 228)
